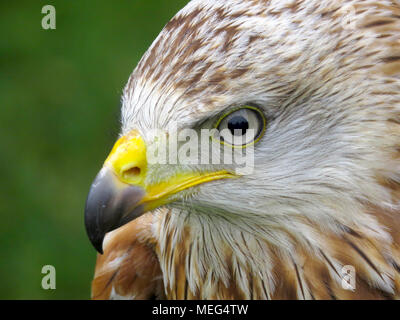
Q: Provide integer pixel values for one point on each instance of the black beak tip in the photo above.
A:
(95, 236)
(98, 245)
(96, 201)
(109, 205)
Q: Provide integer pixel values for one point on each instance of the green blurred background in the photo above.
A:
(59, 116)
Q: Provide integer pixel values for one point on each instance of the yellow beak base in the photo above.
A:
(120, 192)
(129, 162)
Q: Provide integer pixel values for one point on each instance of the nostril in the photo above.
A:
(132, 172)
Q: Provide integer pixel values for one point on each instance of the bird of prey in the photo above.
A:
(314, 86)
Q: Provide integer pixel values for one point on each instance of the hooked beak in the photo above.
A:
(121, 193)
(110, 204)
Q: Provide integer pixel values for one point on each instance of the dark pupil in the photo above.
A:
(238, 125)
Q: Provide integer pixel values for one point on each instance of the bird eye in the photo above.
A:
(241, 127)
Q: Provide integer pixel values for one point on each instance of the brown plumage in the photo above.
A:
(139, 275)
(332, 65)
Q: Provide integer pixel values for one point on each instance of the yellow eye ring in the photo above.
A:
(261, 118)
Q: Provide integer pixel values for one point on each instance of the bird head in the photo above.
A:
(291, 107)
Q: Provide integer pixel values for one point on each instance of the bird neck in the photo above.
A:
(209, 257)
